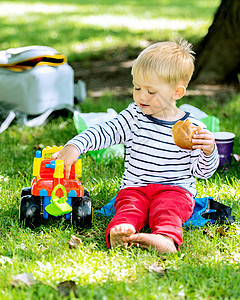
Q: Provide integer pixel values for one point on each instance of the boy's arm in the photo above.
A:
(104, 135)
(205, 162)
(96, 137)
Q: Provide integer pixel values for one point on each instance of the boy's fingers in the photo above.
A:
(54, 155)
(203, 136)
(67, 171)
(201, 142)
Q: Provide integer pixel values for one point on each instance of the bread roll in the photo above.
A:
(183, 132)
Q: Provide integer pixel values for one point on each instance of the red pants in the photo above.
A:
(164, 207)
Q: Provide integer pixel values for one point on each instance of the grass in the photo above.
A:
(83, 29)
(207, 265)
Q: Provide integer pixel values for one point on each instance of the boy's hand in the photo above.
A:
(204, 139)
(69, 155)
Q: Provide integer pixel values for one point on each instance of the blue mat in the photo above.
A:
(206, 210)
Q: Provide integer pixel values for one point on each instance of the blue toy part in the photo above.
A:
(51, 165)
(69, 201)
(38, 154)
(43, 192)
(72, 193)
(45, 202)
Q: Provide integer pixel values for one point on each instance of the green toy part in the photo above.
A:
(58, 206)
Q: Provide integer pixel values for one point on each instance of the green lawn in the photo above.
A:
(81, 29)
(207, 265)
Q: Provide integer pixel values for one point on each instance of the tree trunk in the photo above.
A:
(218, 55)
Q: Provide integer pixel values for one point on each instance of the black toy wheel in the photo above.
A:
(25, 191)
(86, 193)
(82, 211)
(29, 211)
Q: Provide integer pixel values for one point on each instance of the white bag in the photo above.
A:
(35, 91)
(34, 80)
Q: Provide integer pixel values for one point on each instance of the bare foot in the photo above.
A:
(161, 243)
(120, 231)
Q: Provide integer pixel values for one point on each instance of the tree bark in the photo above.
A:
(218, 54)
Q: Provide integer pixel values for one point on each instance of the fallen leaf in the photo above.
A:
(237, 157)
(23, 279)
(208, 233)
(65, 287)
(5, 259)
(221, 231)
(156, 268)
(75, 242)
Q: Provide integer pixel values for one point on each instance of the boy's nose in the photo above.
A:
(143, 96)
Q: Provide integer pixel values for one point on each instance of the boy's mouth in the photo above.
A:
(142, 105)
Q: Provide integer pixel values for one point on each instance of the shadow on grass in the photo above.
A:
(60, 24)
(218, 281)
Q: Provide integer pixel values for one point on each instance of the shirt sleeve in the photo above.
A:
(106, 134)
(203, 166)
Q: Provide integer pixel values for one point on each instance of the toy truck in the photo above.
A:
(51, 194)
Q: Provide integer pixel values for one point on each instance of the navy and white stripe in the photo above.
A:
(151, 155)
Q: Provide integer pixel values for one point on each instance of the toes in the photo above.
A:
(123, 229)
(116, 230)
(120, 229)
(131, 230)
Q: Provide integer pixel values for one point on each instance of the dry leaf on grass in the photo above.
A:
(208, 233)
(5, 259)
(65, 287)
(75, 242)
(23, 279)
(156, 268)
(221, 231)
(237, 157)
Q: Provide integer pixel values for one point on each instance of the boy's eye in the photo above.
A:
(137, 89)
(151, 92)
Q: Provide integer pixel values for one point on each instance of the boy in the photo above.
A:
(158, 184)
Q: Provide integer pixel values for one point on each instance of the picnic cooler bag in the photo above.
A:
(35, 79)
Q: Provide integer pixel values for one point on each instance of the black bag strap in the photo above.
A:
(222, 213)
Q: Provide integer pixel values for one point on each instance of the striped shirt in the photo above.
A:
(151, 154)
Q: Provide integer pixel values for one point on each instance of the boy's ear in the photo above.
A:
(179, 92)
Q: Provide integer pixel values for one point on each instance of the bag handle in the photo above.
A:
(222, 212)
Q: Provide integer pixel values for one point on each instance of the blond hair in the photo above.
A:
(173, 62)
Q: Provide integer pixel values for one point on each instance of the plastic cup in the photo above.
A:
(224, 141)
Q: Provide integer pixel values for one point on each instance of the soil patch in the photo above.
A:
(102, 76)
(105, 76)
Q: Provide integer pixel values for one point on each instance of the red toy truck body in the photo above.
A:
(51, 193)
